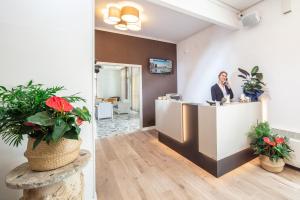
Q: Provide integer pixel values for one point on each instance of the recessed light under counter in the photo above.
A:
(213, 137)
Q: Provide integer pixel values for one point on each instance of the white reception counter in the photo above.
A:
(214, 137)
(168, 118)
(223, 130)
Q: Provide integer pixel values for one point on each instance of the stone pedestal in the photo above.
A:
(63, 183)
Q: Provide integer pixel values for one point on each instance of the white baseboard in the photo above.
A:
(148, 128)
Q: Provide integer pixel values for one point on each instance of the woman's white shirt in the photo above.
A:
(222, 87)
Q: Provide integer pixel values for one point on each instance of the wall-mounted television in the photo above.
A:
(160, 66)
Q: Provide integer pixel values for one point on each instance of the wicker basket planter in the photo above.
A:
(271, 166)
(55, 155)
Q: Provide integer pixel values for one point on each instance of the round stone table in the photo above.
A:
(62, 183)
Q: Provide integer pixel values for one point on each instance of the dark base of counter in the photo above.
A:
(190, 150)
(216, 168)
(231, 162)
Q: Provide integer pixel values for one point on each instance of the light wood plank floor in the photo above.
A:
(136, 166)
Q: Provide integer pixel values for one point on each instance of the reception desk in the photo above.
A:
(213, 137)
(168, 118)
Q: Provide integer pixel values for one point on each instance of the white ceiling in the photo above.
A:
(240, 4)
(160, 23)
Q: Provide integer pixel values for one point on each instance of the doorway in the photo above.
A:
(118, 98)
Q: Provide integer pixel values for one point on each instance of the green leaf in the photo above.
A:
(82, 113)
(71, 135)
(60, 128)
(259, 87)
(48, 137)
(262, 83)
(41, 118)
(3, 88)
(37, 141)
(244, 72)
(77, 130)
(29, 83)
(254, 70)
(73, 98)
(259, 76)
(12, 137)
(26, 130)
(242, 76)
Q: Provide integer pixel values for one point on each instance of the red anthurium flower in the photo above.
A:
(279, 140)
(268, 141)
(79, 121)
(59, 104)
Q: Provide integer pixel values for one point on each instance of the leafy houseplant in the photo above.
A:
(273, 149)
(37, 112)
(253, 85)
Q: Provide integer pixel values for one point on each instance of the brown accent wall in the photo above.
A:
(117, 48)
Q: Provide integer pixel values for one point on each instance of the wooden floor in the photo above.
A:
(137, 166)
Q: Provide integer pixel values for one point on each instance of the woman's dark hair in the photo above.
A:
(222, 72)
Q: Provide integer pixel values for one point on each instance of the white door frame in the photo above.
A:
(141, 84)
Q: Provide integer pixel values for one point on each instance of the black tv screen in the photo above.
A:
(160, 66)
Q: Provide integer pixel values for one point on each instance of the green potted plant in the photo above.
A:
(253, 85)
(271, 148)
(51, 123)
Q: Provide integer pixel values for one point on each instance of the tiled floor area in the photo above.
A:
(120, 124)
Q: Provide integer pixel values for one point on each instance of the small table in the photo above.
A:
(63, 183)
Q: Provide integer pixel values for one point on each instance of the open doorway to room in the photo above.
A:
(118, 98)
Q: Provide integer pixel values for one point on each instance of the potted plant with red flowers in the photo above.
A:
(271, 148)
(51, 123)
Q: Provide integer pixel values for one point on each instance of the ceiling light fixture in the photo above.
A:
(122, 25)
(106, 19)
(123, 16)
(137, 26)
(130, 14)
(114, 14)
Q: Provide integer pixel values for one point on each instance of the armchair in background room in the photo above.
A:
(122, 107)
(104, 110)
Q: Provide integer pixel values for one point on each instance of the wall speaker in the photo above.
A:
(251, 19)
(286, 6)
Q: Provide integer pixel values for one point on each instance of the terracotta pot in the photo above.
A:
(271, 166)
(55, 155)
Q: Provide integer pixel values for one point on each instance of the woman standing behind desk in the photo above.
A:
(222, 88)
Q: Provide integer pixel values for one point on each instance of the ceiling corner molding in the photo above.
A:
(208, 10)
(134, 35)
(252, 5)
(225, 5)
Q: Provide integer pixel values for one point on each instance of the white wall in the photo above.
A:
(50, 42)
(135, 88)
(109, 83)
(124, 81)
(273, 45)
